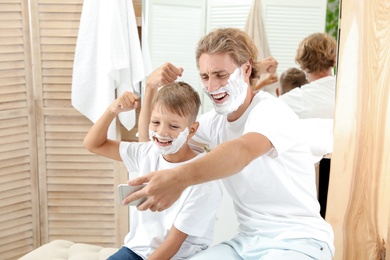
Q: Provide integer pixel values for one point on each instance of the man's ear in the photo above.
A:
(247, 68)
(277, 92)
(192, 129)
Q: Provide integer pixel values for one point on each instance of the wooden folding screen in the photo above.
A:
(359, 194)
(50, 186)
(19, 205)
(78, 198)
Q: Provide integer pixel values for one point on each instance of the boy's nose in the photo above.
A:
(163, 131)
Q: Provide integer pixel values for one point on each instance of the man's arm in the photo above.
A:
(165, 74)
(269, 65)
(170, 246)
(270, 79)
(164, 187)
(96, 139)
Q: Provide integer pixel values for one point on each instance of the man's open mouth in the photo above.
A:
(219, 96)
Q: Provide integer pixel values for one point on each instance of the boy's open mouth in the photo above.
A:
(163, 142)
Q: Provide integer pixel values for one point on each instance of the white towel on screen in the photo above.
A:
(108, 59)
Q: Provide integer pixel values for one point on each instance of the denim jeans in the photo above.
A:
(125, 253)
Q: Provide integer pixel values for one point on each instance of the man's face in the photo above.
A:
(225, 83)
(215, 70)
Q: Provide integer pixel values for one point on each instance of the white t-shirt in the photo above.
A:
(313, 100)
(275, 195)
(193, 213)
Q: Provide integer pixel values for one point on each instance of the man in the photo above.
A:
(260, 154)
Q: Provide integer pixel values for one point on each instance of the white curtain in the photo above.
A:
(256, 30)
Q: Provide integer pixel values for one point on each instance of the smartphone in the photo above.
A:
(125, 190)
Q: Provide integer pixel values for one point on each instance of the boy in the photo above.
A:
(290, 79)
(187, 227)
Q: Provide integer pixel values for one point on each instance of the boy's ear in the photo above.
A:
(193, 128)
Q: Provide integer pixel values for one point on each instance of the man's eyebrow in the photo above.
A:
(214, 72)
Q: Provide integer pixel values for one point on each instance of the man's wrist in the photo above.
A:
(185, 175)
(111, 113)
(150, 87)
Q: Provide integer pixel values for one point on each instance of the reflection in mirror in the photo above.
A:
(173, 28)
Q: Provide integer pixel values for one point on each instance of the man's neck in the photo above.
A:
(312, 76)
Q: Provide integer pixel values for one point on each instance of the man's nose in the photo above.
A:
(213, 85)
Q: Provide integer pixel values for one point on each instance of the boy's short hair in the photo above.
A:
(292, 78)
(179, 98)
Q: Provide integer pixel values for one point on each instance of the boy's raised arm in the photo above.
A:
(96, 140)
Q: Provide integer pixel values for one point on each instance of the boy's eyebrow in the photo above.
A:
(172, 121)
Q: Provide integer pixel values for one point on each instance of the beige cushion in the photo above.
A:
(67, 250)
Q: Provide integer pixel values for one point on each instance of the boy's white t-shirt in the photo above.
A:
(275, 195)
(313, 100)
(193, 213)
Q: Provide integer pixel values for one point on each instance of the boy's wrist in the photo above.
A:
(112, 112)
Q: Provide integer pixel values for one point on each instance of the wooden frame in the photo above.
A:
(359, 191)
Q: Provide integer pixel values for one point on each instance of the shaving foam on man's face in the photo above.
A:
(236, 89)
(167, 144)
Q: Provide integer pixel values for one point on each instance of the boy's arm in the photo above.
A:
(170, 246)
(96, 139)
(165, 74)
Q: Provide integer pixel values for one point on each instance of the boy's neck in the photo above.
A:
(184, 154)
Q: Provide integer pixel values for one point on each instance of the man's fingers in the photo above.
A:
(180, 72)
(147, 204)
(139, 180)
(271, 69)
(169, 76)
(171, 73)
(134, 196)
(175, 70)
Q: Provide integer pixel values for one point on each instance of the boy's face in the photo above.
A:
(167, 125)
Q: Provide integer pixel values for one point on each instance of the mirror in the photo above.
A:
(173, 28)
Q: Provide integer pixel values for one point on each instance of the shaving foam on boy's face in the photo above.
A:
(167, 144)
(236, 89)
